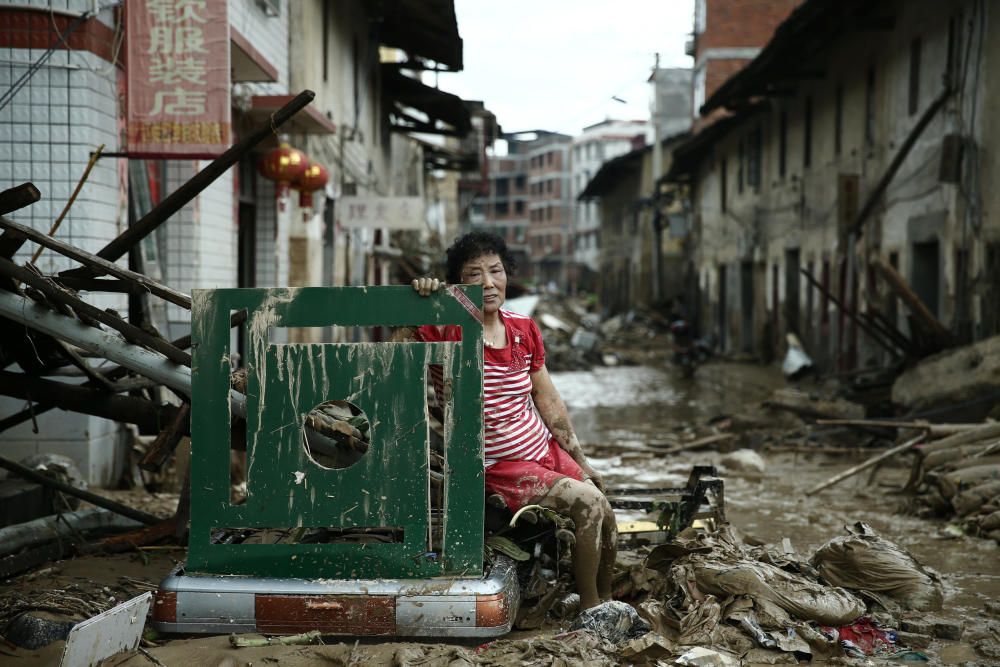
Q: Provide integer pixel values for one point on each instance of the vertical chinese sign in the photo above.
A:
(178, 78)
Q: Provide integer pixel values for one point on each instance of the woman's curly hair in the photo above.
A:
(473, 246)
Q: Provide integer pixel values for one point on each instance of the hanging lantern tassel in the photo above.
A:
(284, 165)
(314, 178)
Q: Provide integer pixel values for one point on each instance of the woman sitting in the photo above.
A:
(532, 455)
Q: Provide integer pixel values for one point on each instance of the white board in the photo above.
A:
(111, 632)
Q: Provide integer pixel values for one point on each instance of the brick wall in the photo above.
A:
(742, 23)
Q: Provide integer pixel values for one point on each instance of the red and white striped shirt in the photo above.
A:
(513, 429)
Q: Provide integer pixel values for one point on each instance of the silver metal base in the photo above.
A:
(217, 604)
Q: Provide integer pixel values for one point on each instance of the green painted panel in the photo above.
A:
(388, 486)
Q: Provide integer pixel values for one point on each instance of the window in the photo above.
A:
(838, 119)
(782, 143)
(915, 47)
(807, 129)
(501, 208)
(723, 185)
(519, 182)
(870, 108)
(519, 207)
(754, 158)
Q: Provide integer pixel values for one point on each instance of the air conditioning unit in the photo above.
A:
(271, 8)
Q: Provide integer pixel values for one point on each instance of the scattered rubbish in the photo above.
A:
(796, 362)
(614, 621)
(114, 631)
(865, 561)
(306, 638)
(863, 638)
(706, 657)
(743, 460)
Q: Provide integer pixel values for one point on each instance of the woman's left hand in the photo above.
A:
(593, 476)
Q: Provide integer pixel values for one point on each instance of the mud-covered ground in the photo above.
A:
(616, 410)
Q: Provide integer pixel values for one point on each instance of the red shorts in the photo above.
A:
(521, 483)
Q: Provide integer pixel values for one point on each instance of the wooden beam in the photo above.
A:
(92, 498)
(86, 400)
(98, 264)
(129, 331)
(920, 312)
(18, 197)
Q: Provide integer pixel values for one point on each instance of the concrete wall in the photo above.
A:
(797, 211)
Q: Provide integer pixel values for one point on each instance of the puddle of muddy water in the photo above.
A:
(629, 403)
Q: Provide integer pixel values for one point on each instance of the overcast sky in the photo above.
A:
(555, 64)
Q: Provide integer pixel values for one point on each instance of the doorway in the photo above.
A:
(925, 273)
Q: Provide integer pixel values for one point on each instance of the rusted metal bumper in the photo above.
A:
(216, 604)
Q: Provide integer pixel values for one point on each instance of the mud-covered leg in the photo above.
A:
(609, 552)
(586, 505)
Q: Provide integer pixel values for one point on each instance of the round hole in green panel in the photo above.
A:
(336, 434)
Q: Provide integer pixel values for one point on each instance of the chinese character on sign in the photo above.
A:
(169, 70)
(179, 101)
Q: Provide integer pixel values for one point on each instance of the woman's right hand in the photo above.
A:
(427, 286)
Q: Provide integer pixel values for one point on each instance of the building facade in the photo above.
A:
(65, 83)
(593, 147)
(863, 134)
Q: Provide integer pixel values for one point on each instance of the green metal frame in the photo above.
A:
(389, 486)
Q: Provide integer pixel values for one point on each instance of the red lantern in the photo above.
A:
(312, 179)
(283, 165)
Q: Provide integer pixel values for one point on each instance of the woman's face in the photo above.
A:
(488, 271)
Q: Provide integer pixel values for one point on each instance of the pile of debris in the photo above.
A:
(577, 339)
(742, 604)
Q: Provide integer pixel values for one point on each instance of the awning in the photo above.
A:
(247, 63)
(612, 171)
(447, 158)
(424, 29)
(437, 106)
(308, 121)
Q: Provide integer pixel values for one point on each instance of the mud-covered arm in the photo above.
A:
(554, 414)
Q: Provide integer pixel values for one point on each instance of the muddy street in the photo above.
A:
(767, 507)
(618, 412)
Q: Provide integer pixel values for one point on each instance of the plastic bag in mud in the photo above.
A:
(865, 561)
(614, 621)
(800, 597)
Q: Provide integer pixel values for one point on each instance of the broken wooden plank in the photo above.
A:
(697, 444)
(76, 398)
(137, 538)
(932, 429)
(18, 197)
(129, 331)
(850, 472)
(802, 404)
(92, 498)
(166, 442)
(923, 315)
(100, 264)
(115, 373)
